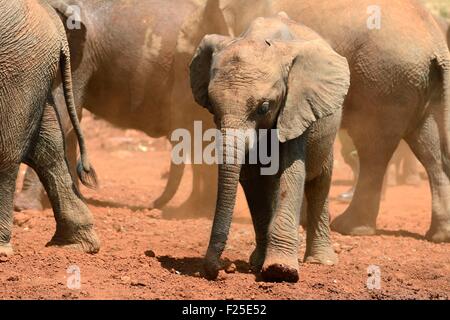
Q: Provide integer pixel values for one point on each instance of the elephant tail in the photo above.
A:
(85, 170)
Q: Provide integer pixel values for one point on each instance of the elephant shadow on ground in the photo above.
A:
(193, 266)
(115, 205)
(183, 212)
(400, 233)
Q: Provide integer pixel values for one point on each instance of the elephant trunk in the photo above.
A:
(229, 172)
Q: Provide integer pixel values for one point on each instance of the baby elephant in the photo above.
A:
(277, 75)
(33, 45)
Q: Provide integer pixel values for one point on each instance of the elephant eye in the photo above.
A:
(263, 108)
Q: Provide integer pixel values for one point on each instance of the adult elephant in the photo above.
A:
(445, 27)
(33, 47)
(130, 67)
(400, 89)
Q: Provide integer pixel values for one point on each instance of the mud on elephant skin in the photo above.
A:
(135, 75)
(30, 129)
(282, 75)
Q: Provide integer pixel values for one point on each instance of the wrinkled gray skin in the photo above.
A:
(33, 45)
(280, 75)
(130, 61)
(400, 89)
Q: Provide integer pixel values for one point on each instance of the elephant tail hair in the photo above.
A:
(86, 172)
(87, 178)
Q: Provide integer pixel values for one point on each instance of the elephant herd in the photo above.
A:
(303, 67)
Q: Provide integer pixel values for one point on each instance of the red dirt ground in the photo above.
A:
(132, 168)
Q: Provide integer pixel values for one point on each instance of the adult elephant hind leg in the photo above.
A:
(32, 196)
(374, 154)
(204, 189)
(425, 143)
(202, 199)
(318, 242)
(173, 183)
(74, 221)
(7, 183)
(71, 153)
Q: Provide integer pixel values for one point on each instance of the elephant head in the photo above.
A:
(250, 83)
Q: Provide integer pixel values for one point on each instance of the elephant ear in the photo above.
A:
(71, 16)
(317, 83)
(200, 67)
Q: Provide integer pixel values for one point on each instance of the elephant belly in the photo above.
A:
(150, 116)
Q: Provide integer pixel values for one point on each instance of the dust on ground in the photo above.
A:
(144, 256)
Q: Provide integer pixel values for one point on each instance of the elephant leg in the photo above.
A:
(411, 175)
(72, 154)
(204, 184)
(318, 242)
(304, 214)
(202, 200)
(425, 144)
(7, 183)
(361, 215)
(259, 192)
(173, 183)
(281, 261)
(74, 221)
(32, 196)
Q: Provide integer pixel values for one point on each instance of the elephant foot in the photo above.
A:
(159, 203)
(6, 250)
(84, 239)
(30, 200)
(439, 234)
(257, 259)
(280, 270)
(212, 268)
(346, 224)
(322, 255)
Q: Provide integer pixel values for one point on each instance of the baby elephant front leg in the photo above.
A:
(281, 263)
(318, 243)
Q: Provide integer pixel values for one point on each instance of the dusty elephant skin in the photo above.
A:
(445, 27)
(32, 46)
(280, 75)
(130, 61)
(400, 89)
